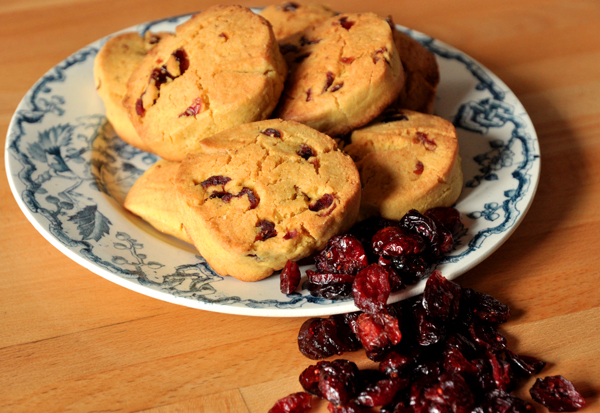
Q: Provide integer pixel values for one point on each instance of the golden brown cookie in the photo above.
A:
(113, 65)
(259, 194)
(406, 160)
(343, 73)
(291, 17)
(421, 73)
(222, 68)
(154, 198)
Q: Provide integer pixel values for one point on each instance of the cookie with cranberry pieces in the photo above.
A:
(153, 197)
(291, 17)
(407, 160)
(115, 62)
(222, 68)
(421, 73)
(260, 194)
(343, 73)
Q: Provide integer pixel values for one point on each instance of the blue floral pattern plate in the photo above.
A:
(69, 173)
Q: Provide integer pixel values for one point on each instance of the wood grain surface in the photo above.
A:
(72, 341)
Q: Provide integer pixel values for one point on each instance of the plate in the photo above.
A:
(69, 173)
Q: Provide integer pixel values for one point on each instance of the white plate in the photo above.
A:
(69, 174)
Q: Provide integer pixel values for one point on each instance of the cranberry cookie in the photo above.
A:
(154, 198)
(343, 73)
(114, 64)
(421, 72)
(259, 194)
(292, 17)
(222, 68)
(406, 160)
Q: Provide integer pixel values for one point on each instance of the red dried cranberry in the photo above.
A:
(439, 237)
(485, 307)
(330, 286)
(215, 180)
(448, 216)
(441, 298)
(419, 168)
(193, 109)
(347, 60)
(455, 362)
(309, 91)
(322, 203)
(395, 241)
(525, 365)
(423, 138)
(226, 196)
(294, 403)
(271, 132)
(336, 87)
(498, 401)
(290, 234)
(557, 394)
(338, 381)
(377, 333)
(181, 57)
(429, 331)
(267, 230)
(139, 107)
(410, 269)
(290, 277)
(329, 81)
(382, 392)
(487, 337)
(309, 380)
(501, 371)
(351, 407)
(345, 23)
(395, 364)
(318, 338)
(343, 254)
(371, 288)
(448, 393)
(306, 151)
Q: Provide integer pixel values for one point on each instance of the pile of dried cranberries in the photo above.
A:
(438, 352)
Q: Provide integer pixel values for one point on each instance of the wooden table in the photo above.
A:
(72, 341)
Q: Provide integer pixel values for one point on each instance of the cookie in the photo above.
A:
(292, 17)
(154, 198)
(113, 65)
(259, 194)
(222, 68)
(421, 73)
(407, 160)
(343, 73)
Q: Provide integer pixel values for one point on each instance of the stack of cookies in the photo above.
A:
(270, 126)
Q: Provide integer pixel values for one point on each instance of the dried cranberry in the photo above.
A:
(309, 380)
(215, 180)
(351, 407)
(429, 331)
(439, 237)
(377, 333)
(345, 23)
(395, 241)
(485, 307)
(318, 338)
(347, 340)
(322, 203)
(487, 337)
(429, 144)
(525, 365)
(498, 401)
(290, 277)
(330, 286)
(448, 393)
(381, 392)
(410, 269)
(271, 132)
(419, 168)
(338, 381)
(193, 109)
(328, 81)
(557, 394)
(343, 254)
(455, 362)
(441, 297)
(447, 216)
(395, 364)
(306, 151)
(294, 403)
(181, 57)
(501, 371)
(371, 288)
(267, 230)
